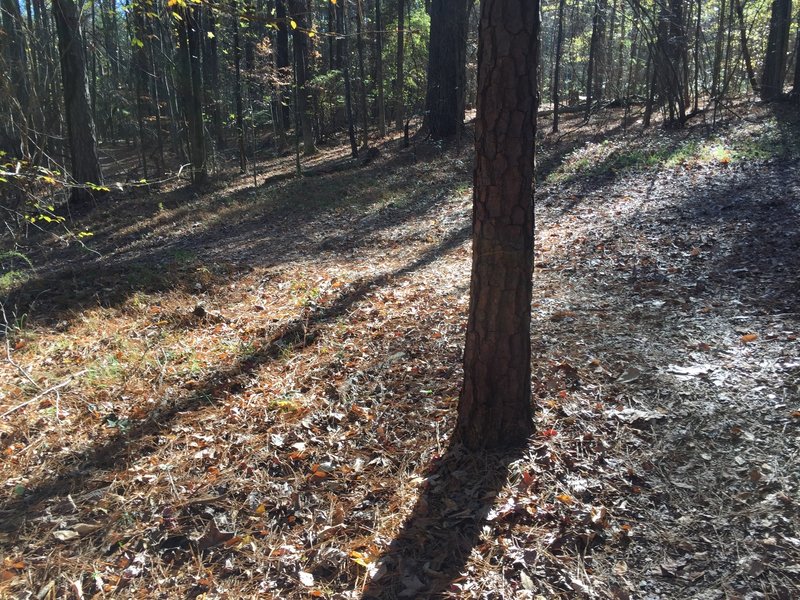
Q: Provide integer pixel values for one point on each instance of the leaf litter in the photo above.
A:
(275, 421)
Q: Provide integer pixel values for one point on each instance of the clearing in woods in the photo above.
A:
(248, 391)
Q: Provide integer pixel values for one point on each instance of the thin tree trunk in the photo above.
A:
(348, 94)
(237, 88)
(379, 69)
(399, 85)
(302, 65)
(557, 68)
(362, 75)
(192, 89)
(748, 61)
(77, 110)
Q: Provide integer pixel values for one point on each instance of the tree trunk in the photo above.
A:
(212, 91)
(302, 65)
(237, 87)
(748, 61)
(15, 59)
(192, 89)
(77, 110)
(777, 46)
(557, 69)
(379, 68)
(590, 66)
(444, 101)
(348, 93)
(494, 408)
(399, 102)
(361, 75)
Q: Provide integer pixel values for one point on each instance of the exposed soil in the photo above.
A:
(249, 391)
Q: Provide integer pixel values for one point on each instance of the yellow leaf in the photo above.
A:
(360, 559)
(261, 509)
(293, 23)
(333, 1)
(750, 337)
(311, 34)
(210, 35)
(565, 498)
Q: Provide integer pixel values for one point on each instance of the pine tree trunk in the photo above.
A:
(748, 61)
(494, 408)
(192, 89)
(348, 93)
(777, 46)
(557, 69)
(302, 65)
(77, 110)
(237, 88)
(444, 101)
(399, 102)
(362, 75)
(379, 68)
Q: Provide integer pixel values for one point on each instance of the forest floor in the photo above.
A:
(248, 391)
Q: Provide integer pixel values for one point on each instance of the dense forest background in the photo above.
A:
(199, 84)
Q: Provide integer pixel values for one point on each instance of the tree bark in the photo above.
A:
(748, 61)
(237, 87)
(444, 101)
(362, 75)
(777, 46)
(80, 125)
(302, 65)
(192, 89)
(379, 69)
(495, 404)
(399, 102)
(557, 68)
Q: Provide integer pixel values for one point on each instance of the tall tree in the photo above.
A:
(494, 408)
(557, 68)
(15, 59)
(192, 88)
(399, 82)
(302, 69)
(447, 52)
(777, 46)
(77, 108)
(379, 68)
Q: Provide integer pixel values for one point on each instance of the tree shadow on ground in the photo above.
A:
(142, 438)
(428, 555)
(268, 225)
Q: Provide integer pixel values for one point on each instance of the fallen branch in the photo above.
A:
(42, 394)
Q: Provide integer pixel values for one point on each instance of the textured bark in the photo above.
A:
(748, 61)
(15, 60)
(348, 94)
(302, 66)
(379, 68)
(495, 405)
(399, 102)
(777, 46)
(192, 89)
(237, 87)
(362, 79)
(557, 69)
(211, 81)
(444, 100)
(77, 110)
